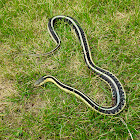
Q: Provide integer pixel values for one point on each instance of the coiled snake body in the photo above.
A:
(118, 94)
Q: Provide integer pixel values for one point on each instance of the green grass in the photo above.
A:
(28, 112)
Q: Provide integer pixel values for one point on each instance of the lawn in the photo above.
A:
(47, 112)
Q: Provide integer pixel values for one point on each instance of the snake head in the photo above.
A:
(40, 81)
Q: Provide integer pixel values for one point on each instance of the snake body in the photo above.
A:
(118, 93)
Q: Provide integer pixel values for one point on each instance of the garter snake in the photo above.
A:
(118, 93)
